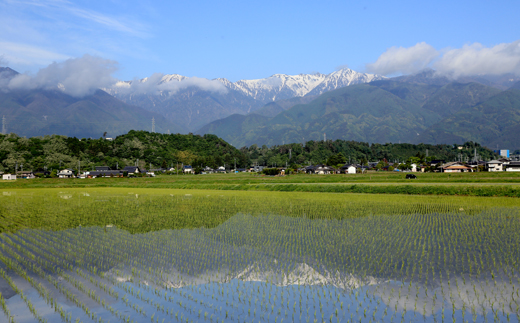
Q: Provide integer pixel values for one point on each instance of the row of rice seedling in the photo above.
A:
(151, 210)
(425, 263)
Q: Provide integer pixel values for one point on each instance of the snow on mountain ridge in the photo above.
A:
(275, 87)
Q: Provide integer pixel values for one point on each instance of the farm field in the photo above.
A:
(471, 184)
(169, 255)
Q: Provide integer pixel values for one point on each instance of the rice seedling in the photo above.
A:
(221, 258)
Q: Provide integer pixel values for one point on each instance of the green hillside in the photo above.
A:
(495, 121)
(379, 112)
(42, 112)
(155, 149)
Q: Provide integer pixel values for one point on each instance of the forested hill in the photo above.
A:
(163, 150)
(317, 152)
(159, 150)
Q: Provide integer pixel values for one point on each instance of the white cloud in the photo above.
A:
(77, 77)
(201, 83)
(157, 83)
(400, 60)
(58, 8)
(477, 59)
(472, 59)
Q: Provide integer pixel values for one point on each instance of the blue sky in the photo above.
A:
(255, 39)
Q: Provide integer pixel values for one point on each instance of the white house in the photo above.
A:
(348, 169)
(513, 166)
(66, 173)
(495, 166)
(8, 177)
(187, 169)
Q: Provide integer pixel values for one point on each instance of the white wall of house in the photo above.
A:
(513, 169)
(351, 170)
(495, 167)
(8, 177)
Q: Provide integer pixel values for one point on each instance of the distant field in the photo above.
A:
(473, 184)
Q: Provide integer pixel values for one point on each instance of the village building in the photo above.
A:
(348, 169)
(66, 173)
(25, 175)
(187, 169)
(513, 166)
(495, 166)
(132, 170)
(320, 169)
(8, 177)
(454, 167)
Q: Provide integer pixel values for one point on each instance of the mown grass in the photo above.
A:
(143, 210)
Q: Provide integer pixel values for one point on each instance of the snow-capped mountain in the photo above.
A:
(194, 102)
(275, 87)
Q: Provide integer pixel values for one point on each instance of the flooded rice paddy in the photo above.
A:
(451, 266)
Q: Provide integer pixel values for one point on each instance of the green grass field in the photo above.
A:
(470, 184)
(143, 210)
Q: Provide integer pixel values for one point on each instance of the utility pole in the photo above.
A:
(153, 124)
(290, 153)
(324, 137)
(4, 126)
(235, 165)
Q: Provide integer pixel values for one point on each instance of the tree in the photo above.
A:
(337, 159)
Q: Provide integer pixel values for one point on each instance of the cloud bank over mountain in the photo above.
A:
(404, 60)
(77, 77)
(159, 82)
(471, 59)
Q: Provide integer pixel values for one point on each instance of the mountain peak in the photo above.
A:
(7, 73)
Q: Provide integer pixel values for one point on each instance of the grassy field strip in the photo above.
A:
(391, 183)
(142, 210)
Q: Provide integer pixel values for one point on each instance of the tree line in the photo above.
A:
(156, 150)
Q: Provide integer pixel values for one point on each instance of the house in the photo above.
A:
(132, 170)
(513, 166)
(187, 169)
(495, 166)
(320, 169)
(348, 169)
(257, 169)
(25, 174)
(66, 173)
(8, 177)
(42, 172)
(208, 170)
(454, 167)
(220, 169)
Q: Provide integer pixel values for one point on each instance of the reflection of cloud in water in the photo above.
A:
(275, 266)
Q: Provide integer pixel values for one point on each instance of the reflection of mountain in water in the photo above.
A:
(265, 268)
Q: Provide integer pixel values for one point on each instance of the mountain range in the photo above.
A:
(392, 110)
(194, 102)
(425, 107)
